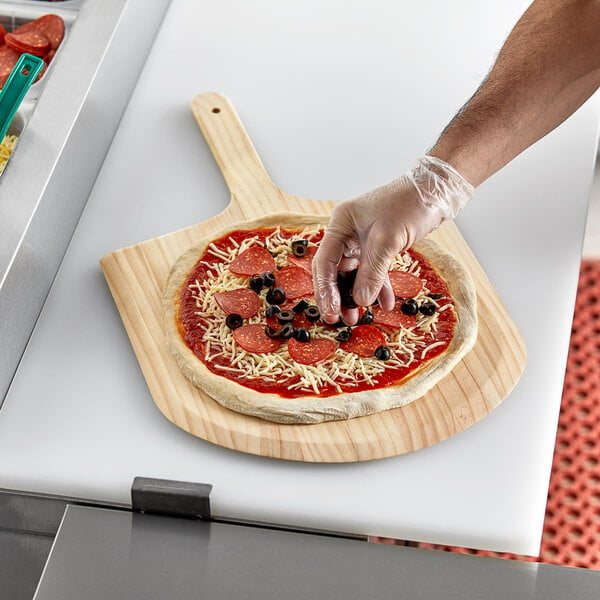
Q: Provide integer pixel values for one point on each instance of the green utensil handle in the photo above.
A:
(19, 81)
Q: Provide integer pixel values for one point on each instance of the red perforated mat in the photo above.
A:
(572, 526)
(571, 534)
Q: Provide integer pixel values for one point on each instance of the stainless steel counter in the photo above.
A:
(66, 124)
(94, 551)
(102, 554)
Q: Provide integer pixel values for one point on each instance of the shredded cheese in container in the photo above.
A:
(6, 148)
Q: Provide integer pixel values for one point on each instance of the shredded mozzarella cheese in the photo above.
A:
(6, 148)
(343, 368)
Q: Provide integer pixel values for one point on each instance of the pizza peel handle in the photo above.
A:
(253, 194)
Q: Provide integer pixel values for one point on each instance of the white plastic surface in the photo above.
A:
(338, 97)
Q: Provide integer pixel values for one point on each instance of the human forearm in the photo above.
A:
(548, 67)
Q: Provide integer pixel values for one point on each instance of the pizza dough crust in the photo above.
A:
(314, 409)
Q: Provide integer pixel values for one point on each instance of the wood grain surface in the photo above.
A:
(136, 276)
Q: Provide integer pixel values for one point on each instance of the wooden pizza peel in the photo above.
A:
(136, 276)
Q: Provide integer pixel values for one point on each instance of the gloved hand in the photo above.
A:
(369, 231)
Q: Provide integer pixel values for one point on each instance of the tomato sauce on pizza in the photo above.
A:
(247, 311)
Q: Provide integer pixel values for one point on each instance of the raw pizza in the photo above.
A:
(243, 325)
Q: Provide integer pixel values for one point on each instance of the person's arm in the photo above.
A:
(547, 68)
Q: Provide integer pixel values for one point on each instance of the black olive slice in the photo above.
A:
(366, 318)
(271, 332)
(435, 296)
(268, 279)
(312, 313)
(382, 353)
(276, 295)
(344, 334)
(287, 331)
(300, 306)
(272, 310)
(347, 301)
(233, 321)
(427, 308)
(257, 282)
(302, 335)
(285, 316)
(345, 281)
(409, 307)
(299, 248)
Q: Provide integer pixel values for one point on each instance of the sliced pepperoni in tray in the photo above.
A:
(253, 338)
(394, 317)
(34, 42)
(8, 59)
(304, 262)
(405, 285)
(295, 281)
(40, 37)
(53, 27)
(243, 302)
(27, 26)
(253, 260)
(43, 70)
(308, 353)
(364, 341)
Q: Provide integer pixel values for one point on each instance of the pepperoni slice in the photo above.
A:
(8, 59)
(296, 282)
(53, 27)
(253, 260)
(26, 27)
(394, 317)
(364, 341)
(405, 285)
(300, 320)
(308, 353)
(43, 69)
(304, 262)
(254, 339)
(243, 302)
(34, 42)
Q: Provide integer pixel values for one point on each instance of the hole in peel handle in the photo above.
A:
(234, 153)
(19, 81)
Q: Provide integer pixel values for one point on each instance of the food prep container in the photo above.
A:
(65, 125)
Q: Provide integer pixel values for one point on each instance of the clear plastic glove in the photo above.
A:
(369, 231)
